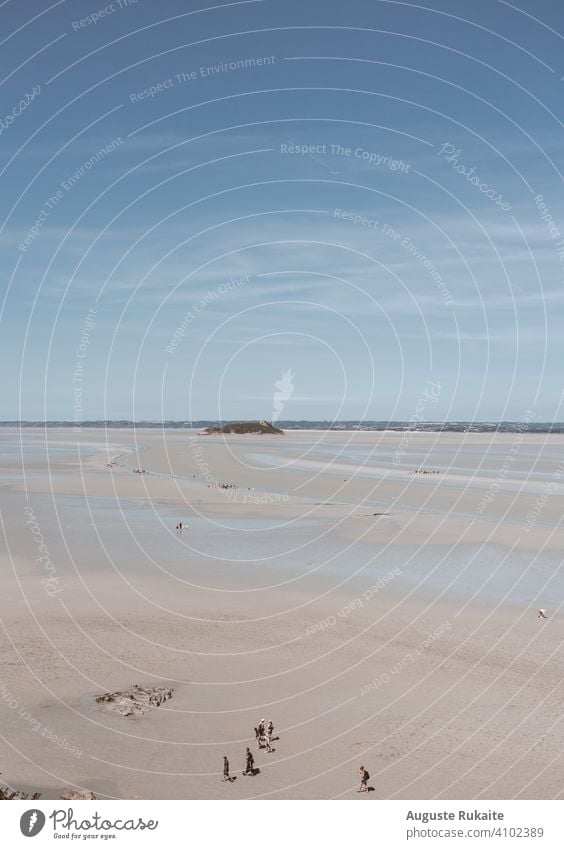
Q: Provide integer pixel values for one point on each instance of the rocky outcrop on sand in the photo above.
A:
(136, 700)
(72, 795)
(7, 794)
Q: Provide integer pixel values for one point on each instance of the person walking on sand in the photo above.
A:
(249, 762)
(258, 738)
(270, 728)
(364, 776)
(542, 614)
(226, 776)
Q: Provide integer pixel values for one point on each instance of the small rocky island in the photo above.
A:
(261, 427)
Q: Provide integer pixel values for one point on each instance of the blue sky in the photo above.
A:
(195, 202)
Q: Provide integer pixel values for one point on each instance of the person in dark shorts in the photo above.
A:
(226, 776)
(364, 776)
(249, 762)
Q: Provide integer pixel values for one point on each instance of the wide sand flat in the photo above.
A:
(377, 616)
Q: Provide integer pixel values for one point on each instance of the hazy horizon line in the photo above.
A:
(198, 422)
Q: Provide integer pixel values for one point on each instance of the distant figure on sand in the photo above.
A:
(542, 614)
(226, 776)
(249, 762)
(364, 776)
(270, 728)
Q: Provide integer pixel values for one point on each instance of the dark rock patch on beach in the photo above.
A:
(136, 700)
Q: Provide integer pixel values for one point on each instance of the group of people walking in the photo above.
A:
(264, 735)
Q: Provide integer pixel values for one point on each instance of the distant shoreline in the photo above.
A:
(354, 426)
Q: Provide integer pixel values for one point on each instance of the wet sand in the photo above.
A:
(377, 616)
